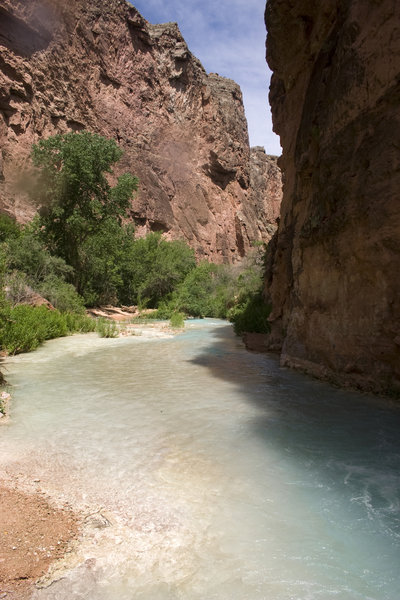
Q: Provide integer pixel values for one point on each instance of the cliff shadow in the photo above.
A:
(309, 421)
(19, 37)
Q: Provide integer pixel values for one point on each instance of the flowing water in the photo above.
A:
(206, 472)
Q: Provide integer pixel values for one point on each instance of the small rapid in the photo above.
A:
(204, 471)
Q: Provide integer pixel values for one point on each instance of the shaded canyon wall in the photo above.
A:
(90, 64)
(334, 270)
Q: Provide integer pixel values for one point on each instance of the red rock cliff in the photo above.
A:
(100, 66)
(334, 271)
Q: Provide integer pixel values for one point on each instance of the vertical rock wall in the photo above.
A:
(96, 65)
(334, 269)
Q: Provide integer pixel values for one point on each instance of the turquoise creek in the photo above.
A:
(205, 472)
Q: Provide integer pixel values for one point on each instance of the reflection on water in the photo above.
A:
(207, 472)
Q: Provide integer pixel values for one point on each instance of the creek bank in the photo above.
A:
(264, 343)
(4, 406)
(33, 535)
(130, 320)
(150, 329)
(36, 536)
(116, 313)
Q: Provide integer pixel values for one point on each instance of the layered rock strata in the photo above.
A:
(90, 64)
(333, 275)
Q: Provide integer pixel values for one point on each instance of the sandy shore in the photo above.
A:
(33, 534)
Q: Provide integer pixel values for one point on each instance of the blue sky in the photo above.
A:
(228, 37)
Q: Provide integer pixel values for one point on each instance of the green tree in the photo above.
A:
(196, 293)
(28, 255)
(30, 266)
(4, 305)
(74, 194)
(157, 267)
(207, 291)
(107, 262)
(8, 228)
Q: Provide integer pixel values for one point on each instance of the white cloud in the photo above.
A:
(228, 37)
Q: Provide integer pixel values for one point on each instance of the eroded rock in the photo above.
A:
(100, 66)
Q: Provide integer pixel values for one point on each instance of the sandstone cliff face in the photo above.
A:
(265, 191)
(333, 274)
(90, 64)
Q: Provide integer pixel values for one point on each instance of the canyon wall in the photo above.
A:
(334, 266)
(90, 64)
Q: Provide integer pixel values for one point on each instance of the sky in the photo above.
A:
(228, 37)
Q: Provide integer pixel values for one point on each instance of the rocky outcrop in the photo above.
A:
(90, 64)
(333, 275)
(265, 191)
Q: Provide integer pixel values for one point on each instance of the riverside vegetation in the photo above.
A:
(80, 252)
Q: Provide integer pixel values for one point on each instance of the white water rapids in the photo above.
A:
(206, 472)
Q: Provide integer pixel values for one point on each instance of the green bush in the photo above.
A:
(106, 262)
(195, 295)
(207, 291)
(17, 287)
(28, 326)
(165, 310)
(157, 267)
(24, 328)
(251, 316)
(146, 317)
(107, 329)
(177, 320)
(27, 254)
(61, 295)
(79, 323)
(8, 228)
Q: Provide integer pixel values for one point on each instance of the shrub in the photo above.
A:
(8, 228)
(61, 295)
(79, 323)
(165, 310)
(17, 287)
(251, 316)
(146, 317)
(24, 327)
(207, 291)
(177, 320)
(107, 329)
(28, 255)
(157, 267)
(28, 326)
(106, 257)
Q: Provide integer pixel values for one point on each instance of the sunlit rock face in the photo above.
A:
(265, 191)
(90, 64)
(333, 274)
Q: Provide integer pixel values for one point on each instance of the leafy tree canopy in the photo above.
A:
(157, 267)
(73, 191)
(8, 228)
